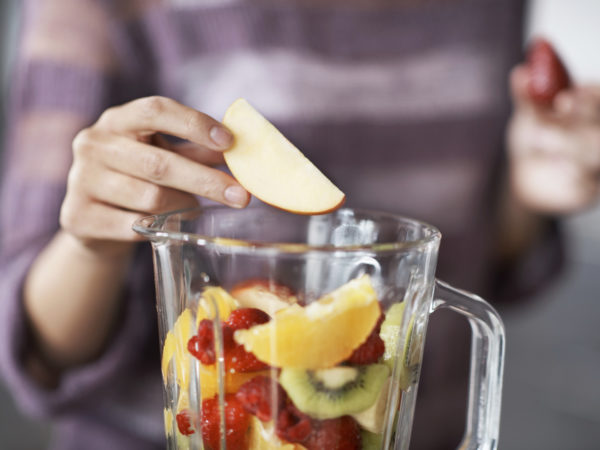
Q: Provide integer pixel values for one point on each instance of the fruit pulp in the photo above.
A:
(300, 396)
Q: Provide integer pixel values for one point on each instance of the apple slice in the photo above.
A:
(265, 295)
(272, 169)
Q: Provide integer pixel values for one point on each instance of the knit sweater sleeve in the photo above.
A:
(66, 73)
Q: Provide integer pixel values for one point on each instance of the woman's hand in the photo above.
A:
(123, 169)
(555, 149)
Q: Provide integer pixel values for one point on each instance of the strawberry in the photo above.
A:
(184, 422)
(257, 394)
(237, 421)
(341, 433)
(371, 350)
(548, 75)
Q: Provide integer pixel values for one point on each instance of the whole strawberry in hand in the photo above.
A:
(548, 75)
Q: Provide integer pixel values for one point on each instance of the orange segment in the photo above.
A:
(215, 296)
(320, 335)
(167, 354)
(209, 386)
(168, 417)
(175, 345)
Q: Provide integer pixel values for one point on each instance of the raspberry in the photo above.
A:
(243, 318)
(184, 422)
(256, 396)
(371, 350)
(293, 425)
(237, 421)
(342, 433)
(202, 345)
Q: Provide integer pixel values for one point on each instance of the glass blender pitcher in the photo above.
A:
(306, 332)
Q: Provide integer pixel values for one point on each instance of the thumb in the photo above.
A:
(519, 84)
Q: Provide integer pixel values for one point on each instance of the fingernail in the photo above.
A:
(236, 196)
(221, 136)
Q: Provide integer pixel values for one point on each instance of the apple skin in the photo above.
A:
(263, 294)
(307, 213)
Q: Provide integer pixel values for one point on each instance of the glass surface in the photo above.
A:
(287, 331)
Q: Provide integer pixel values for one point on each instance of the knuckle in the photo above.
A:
(194, 122)
(69, 217)
(107, 116)
(83, 142)
(212, 186)
(75, 176)
(152, 106)
(155, 165)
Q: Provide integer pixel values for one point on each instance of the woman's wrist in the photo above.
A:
(72, 299)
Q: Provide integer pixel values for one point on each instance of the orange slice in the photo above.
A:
(319, 335)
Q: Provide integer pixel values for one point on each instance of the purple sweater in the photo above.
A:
(402, 104)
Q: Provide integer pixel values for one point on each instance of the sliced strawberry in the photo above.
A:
(260, 395)
(372, 349)
(237, 421)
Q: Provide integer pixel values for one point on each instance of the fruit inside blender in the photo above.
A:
(294, 376)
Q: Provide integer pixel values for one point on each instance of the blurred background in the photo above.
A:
(551, 394)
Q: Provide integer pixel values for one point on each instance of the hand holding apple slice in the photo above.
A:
(272, 169)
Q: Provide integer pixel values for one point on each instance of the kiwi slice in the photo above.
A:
(390, 329)
(371, 441)
(334, 392)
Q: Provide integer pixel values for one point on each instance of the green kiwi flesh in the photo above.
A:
(334, 392)
(371, 441)
(390, 330)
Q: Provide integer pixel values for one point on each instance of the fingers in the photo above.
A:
(191, 151)
(94, 221)
(553, 185)
(133, 194)
(579, 104)
(150, 115)
(158, 166)
(531, 134)
(518, 81)
(124, 169)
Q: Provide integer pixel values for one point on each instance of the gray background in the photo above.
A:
(551, 393)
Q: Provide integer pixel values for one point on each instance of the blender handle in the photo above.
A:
(487, 364)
